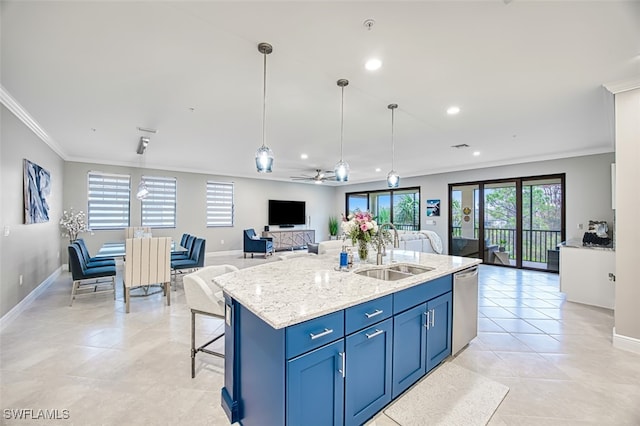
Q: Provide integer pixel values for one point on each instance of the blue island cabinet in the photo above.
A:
(421, 333)
(315, 387)
(337, 369)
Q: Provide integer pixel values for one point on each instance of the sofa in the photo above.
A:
(423, 241)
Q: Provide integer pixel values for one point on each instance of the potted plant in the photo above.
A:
(502, 244)
(333, 227)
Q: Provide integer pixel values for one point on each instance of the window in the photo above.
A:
(219, 203)
(159, 207)
(398, 206)
(108, 200)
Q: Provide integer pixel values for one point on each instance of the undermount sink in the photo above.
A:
(383, 274)
(411, 269)
(394, 272)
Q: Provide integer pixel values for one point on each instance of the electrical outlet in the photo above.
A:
(20, 279)
(579, 226)
(7, 230)
(58, 254)
(221, 242)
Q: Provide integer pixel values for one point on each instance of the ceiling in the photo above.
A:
(527, 76)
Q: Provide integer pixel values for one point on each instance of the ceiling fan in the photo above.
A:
(319, 177)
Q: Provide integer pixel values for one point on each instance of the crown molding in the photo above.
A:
(622, 86)
(18, 110)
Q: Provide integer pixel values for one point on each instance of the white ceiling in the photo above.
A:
(527, 75)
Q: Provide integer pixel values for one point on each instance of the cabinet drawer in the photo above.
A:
(420, 293)
(314, 333)
(368, 313)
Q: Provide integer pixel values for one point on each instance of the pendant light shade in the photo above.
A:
(341, 169)
(393, 178)
(264, 154)
(143, 191)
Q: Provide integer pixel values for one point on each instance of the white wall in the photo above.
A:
(627, 314)
(251, 203)
(588, 189)
(30, 250)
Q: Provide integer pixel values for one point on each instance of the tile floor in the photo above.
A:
(109, 368)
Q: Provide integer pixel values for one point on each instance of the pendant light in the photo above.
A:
(393, 178)
(143, 191)
(341, 169)
(264, 155)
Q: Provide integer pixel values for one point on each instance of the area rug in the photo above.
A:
(451, 395)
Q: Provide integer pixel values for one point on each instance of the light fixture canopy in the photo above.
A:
(393, 178)
(264, 154)
(341, 169)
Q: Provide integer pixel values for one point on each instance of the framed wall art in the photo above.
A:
(37, 189)
(433, 207)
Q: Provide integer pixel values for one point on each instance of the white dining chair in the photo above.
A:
(147, 263)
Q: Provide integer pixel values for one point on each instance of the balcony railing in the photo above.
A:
(535, 242)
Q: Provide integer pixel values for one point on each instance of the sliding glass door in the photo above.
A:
(542, 213)
(500, 223)
(398, 206)
(521, 221)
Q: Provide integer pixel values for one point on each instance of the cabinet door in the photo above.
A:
(368, 374)
(439, 329)
(315, 387)
(409, 348)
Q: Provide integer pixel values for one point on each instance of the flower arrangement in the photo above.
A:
(362, 229)
(74, 223)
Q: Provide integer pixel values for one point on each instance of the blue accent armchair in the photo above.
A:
(254, 244)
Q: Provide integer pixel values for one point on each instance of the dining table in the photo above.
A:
(117, 249)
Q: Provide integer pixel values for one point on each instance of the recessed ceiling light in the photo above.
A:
(378, 169)
(304, 156)
(373, 64)
(453, 110)
(476, 153)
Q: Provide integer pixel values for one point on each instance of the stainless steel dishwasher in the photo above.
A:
(465, 308)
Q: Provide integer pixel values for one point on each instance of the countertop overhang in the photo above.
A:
(292, 291)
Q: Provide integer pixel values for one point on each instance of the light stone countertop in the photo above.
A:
(299, 289)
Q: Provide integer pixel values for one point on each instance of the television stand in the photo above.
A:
(291, 239)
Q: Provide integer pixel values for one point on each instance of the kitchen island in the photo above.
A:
(307, 344)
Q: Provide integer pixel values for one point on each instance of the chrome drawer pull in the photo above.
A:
(344, 361)
(433, 318)
(374, 334)
(373, 314)
(324, 333)
(427, 323)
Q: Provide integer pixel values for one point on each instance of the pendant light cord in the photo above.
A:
(264, 99)
(393, 145)
(341, 121)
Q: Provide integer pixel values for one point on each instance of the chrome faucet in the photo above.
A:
(381, 246)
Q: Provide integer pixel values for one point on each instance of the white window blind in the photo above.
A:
(159, 207)
(108, 200)
(219, 203)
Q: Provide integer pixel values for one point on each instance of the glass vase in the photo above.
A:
(363, 250)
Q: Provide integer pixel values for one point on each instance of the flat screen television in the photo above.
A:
(287, 212)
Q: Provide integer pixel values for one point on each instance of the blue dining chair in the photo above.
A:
(89, 278)
(195, 260)
(92, 261)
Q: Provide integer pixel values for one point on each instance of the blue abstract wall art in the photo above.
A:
(37, 189)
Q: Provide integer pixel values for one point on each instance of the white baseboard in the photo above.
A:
(625, 342)
(10, 316)
(224, 253)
